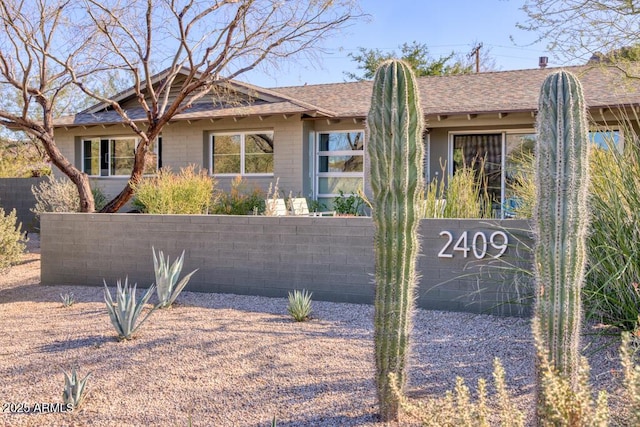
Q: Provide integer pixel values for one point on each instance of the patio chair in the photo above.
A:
(275, 207)
(299, 206)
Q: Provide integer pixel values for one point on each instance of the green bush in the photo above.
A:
(187, 192)
(61, 195)
(240, 200)
(11, 239)
(348, 205)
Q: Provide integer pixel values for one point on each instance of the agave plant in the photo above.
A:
(67, 299)
(125, 311)
(74, 389)
(167, 276)
(299, 305)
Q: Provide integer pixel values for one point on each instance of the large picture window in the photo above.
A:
(340, 163)
(115, 156)
(248, 153)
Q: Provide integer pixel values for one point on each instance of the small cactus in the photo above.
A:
(560, 219)
(395, 148)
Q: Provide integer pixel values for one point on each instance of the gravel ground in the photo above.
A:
(227, 360)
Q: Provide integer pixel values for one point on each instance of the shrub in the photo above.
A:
(631, 379)
(299, 305)
(166, 278)
(11, 239)
(125, 311)
(240, 200)
(75, 389)
(187, 192)
(61, 195)
(456, 408)
(348, 205)
(563, 402)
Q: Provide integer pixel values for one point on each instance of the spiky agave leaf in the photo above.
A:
(167, 276)
(74, 389)
(300, 305)
(125, 311)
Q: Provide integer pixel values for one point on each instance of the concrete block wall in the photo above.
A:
(257, 255)
(15, 193)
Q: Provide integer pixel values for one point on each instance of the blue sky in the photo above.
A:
(444, 25)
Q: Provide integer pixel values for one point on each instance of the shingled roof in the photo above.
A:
(501, 92)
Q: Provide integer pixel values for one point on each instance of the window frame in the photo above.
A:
(242, 135)
(503, 132)
(109, 139)
(604, 129)
(319, 153)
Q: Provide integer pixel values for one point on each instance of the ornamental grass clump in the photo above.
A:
(611, 292)
(75, 389)
(167, 284)
(300, 305)
(395, 126)
(126, 310)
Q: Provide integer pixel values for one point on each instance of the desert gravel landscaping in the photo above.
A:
(227, 360)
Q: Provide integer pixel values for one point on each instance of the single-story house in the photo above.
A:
(312, 137)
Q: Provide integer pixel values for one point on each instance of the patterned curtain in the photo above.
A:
(479, 148)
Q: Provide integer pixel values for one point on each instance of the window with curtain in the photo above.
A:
(482, 153)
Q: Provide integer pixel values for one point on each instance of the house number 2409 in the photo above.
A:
(478, 244)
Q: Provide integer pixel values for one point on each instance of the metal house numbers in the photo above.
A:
(478, 244)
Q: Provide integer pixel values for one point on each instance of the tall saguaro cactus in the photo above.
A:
(395, 125)
(561, 220)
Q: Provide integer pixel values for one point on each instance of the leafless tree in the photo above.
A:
(578, 29)
(51, 47)
(201, 45)
(32, 84)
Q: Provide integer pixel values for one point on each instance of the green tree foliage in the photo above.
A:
(22, 159)
(415, 54)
